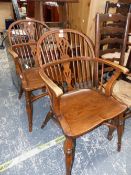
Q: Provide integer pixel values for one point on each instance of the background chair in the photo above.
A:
(72, 82)
(121, 8)
(23, 36)
(105, 49)
(112, 36)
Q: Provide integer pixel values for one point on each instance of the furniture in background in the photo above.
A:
(112, 36)
(72, 82)
(23, 36)
(122, 88)
(118, 7)
(60, 11)
(128, 65)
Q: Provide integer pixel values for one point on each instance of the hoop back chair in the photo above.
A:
(23, 36)
(76, 100)
(112, 36)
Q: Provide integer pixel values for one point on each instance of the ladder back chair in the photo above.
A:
(122, 88)
(112, 36)
(118, 7)
(23, 37)
(77, 100)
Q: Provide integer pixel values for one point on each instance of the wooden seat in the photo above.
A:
(23, 37)
(33, 80)
(112, 36)
(77, 101)
(90, 113)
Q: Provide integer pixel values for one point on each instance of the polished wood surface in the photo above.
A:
(75, 87)
(23, 36)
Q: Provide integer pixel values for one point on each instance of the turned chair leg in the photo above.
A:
(111, 129)
(69, 150)
(48, 117)
(29, 109)
(120, 129)
(21, 92)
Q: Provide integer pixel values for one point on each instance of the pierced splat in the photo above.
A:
(67, 76)
(62, 45)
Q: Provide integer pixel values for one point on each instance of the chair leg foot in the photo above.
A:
(21, 92)
(69, 150)
(120, 129)
(29, 109)
(48, 117)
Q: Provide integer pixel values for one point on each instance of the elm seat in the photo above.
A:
(33, 79)
(90, 113)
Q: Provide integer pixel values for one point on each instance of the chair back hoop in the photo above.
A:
(61, 44)
(24, 31)
(23, 36)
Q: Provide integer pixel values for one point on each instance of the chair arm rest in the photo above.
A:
(114, 65)
(49, 83)
(17, 64)
(13, 53)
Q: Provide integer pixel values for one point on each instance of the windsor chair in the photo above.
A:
(75, 85)
(23, 37)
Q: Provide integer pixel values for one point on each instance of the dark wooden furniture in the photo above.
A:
(77, 101)
(23, 36)
(123, 8)
(111, 36)
(40, 12)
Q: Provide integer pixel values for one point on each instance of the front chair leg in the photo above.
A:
(120, 129)
(69, 150)
(48, 117)
(111, 129)
(29, 108)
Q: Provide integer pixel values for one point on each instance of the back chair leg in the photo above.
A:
(120, 129)
(48, 117)
(111, 129)
(69, 150)
(29, 109)
(21, 92)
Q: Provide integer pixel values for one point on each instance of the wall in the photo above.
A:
(95, 7)
(6, 12)
(78, 14)
(82, 15)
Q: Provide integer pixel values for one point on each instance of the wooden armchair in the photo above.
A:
(75, 88)
(112, 36)
(23, 36)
